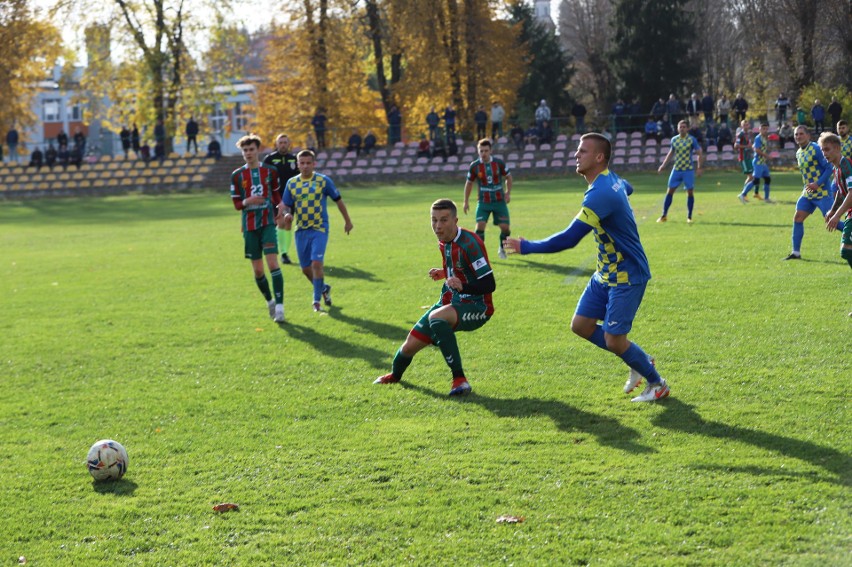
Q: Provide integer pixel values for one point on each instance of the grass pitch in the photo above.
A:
(137, 318)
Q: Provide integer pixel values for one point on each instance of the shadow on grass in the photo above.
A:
(121, 487)
(751, 224)
(679, 416)
(383, 330)
(562, 269)
(98, 210)
(607, 431)
(336, 348)
(349, 273)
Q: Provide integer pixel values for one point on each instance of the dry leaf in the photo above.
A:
(225, 507)
(510, 519)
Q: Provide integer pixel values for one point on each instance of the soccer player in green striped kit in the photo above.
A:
(465, 303)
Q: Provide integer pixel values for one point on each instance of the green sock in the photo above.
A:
(278, 285)
(263, 286)
(481, 235)
(400, 363)
(446, 339)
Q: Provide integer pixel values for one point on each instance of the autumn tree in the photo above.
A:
(30, 48)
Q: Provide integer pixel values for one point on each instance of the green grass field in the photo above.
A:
(136, 318)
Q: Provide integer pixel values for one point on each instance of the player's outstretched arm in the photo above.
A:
(558, 242)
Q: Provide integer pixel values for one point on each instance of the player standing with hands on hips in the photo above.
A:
(615, 291)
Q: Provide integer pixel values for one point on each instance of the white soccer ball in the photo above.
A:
(107, 460)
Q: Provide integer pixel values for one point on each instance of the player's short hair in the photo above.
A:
(603, 143)
(306, 153)
(281, 135)
(683, 122)
(829, 138)
(484, 142)
(249, 139)
(842, 123)
(762, 124)
(445, 205)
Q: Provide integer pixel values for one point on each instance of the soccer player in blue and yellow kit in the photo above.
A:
(816, 174)
(491, 174)
(683, 172)
(304, 201)
(744, 148)
(832, 149)
(465, 302)
(761, 162)
(256, 191)
(845, 139)
(615, 290)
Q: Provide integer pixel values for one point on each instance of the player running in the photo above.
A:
(761, 163)
(465, 303)
(831, 146)
(744, 149)
(615, 290)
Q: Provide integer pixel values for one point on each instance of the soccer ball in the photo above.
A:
(107, 460)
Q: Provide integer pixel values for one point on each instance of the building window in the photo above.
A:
(242, 117)
(74, 113)
(218, 119)
(51, 111)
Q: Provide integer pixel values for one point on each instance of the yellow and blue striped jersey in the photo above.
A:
(846, 147)
(307, 199)
(814, 169)
(683, 148)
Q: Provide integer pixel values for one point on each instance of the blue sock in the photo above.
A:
(798, 234)
(690, 203)
(667, 203)
(765, 189)
(747, 187)
(598, 338)
(637, 359)
(318, 285)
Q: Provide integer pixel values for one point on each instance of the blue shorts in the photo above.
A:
(310, 246)
(810, 205)
(686, 177)
(615, 306)
(761, 171)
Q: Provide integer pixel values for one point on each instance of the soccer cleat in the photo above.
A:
(768, 200)
(285, 259)
(758, 197)
(742, 199)
(271, 305)
(460, 386)
(793, 256)
(279, 314)
(634, 379)
(501, 254)
(653, 392)
(386, 379)
(688, 220)
(326, 295)
(317, 307)
(662, 219)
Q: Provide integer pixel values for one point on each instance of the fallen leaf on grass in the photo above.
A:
(225, 507)
(510, 519)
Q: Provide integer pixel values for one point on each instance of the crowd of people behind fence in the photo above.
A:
(710, 123)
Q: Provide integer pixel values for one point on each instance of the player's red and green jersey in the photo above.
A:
(743, 145)
(759, 144)
(252, 182)
(846, 147)
(307, 199)
(683, 148)
(490, 176)
(814, 169)
(843, 179)
(465, 258)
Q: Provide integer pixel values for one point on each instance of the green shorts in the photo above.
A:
(846, 237)
(471, 316)
(747, 166)
(499, 208)
(260, 241)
